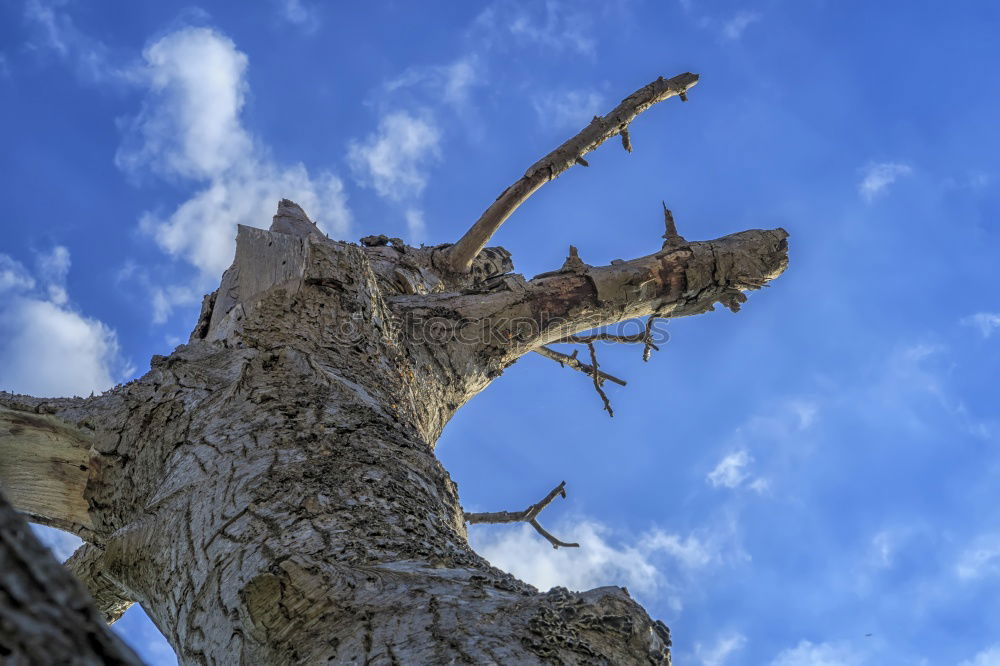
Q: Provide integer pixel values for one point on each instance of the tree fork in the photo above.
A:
(269, 491)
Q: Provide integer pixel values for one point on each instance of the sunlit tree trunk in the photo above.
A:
(270, 493)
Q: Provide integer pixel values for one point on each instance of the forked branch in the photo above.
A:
(562, 158)
(529, 516)
(571, 361)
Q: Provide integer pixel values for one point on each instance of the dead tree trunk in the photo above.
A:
(46, 616)
(269, 492)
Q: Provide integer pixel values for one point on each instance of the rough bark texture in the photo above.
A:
(45, 614)
(269, 492)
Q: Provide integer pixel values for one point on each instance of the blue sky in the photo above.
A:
(775, 485)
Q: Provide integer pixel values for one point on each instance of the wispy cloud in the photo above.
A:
(877, 177)
(718, 652)
(394, 160)
(415, 225)
(550, 25)
(451, 83)
(807, 653)
(656, 564)
(568, 109)
(299, 13)
(55, 31)
(988, 657)
(190, 128)
(46, 347)
(733, 28)
(784, 421)
(729, 29)
(986, 322)
(731, 470)
(980, 559)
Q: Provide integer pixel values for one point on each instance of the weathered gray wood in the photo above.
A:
(91, 569)
(46, 617)
(44, 463)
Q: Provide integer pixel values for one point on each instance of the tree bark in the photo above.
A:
(45, 614)
(269, 492)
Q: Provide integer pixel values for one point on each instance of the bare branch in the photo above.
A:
(570, 360)
(562, 158)
(529, 516)
(44, 463)
(649, 346)
(604, 336)
(598, 382)
(89, 567)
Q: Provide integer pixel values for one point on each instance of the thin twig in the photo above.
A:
(598, 381)
(571, 361)
(529, 516)
(604, 336)
(648, 345)
(569, 153)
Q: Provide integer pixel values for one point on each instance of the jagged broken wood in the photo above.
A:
(529, 516)
(569, 153)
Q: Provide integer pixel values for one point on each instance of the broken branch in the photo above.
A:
(529, 516)
(44, 465)
(562, 158)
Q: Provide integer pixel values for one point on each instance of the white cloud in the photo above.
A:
(883, 549)
(46, 347)
(717, 653)
(988, 657)
(415, 225)
(452, 83)
(730, 470)
(642, 566)
(53, 269)
(522, 552)
(190, 124)
(569, 109)
(807, 653)
(734, 27)
(394, 159)
(13, 275)
(876, 177)
(986, 322)
(981, 559)
(553, 25)
(56, 32)
(300, 14)
(190, 127)
(62, 544)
